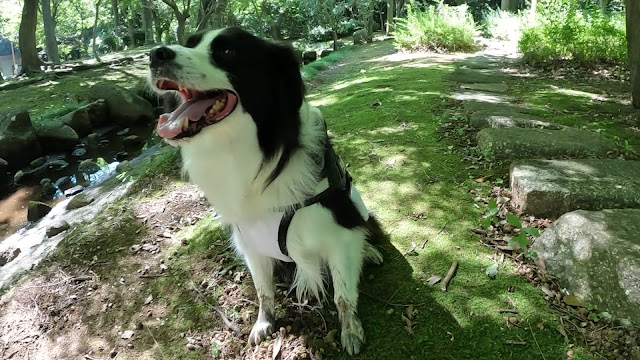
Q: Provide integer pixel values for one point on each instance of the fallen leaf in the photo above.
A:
(277, 345)
(562, 332)
(148, 300)
(573, 301)
(128, 334)
(434, 279)
(492, 271)
(481, 180)
(331, 335)
(545, 289)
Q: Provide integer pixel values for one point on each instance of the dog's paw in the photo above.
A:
(260, 331)
(353, 338)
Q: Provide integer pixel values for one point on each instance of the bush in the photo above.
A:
(312, 69)
(444, 27)
(564, 31)
(502, 25)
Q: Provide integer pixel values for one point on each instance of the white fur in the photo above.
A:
(225, 161)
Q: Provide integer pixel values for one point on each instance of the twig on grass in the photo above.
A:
(536, 341)
(449, 276)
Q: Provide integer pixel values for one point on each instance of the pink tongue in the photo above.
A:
(171, 125)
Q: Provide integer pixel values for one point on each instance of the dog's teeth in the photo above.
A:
(217, 106)
(160, 83)
(180, 88)
(185, 125)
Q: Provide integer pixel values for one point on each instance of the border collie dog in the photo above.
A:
(261, 155)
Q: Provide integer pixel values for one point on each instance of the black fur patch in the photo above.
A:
(194, 39)
(266, 77)
(344, 211)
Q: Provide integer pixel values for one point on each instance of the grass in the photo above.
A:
(419, 189)
(448, 28)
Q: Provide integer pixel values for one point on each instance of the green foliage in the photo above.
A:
(442, 27)
(565, 31)
(521, 239)
(503, 25)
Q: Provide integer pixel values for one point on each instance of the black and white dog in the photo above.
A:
(261, 155)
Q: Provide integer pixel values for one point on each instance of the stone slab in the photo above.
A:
(480, 96)
(550, 188)
(500, 119)
(521, 143)
(473, 106)
(465, 75)
(499, 88)
(595, 255)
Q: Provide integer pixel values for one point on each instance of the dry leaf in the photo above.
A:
(481, 180)
(573, 301)
(563, 333)
(277, 345)
(545, 289)
(412, 249)
(434, 279)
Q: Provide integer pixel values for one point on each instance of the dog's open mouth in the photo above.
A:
(199, 110)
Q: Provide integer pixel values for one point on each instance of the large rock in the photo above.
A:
(125, 107)
(18, 142)
(519, 143)
(360, 37)
(56, 136)
(595, 255)
(499, 119)
(78, 120)
(309, 56)
(8, 255)
(37, 210)
(98, 112)
(550, 188)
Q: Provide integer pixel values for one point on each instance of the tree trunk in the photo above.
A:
(158, 26)
(50, 41)
(390, 8)
(532, 12)
(131, 31)
(147, 22)
(334, 34)
(180, 31)
(505, 5)
(603, 6)
(27, 38)
(115, 13)
(95, 32)
(633, 46)
(205, 8)
(218, 16)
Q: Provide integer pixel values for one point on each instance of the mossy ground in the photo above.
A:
(385, 113)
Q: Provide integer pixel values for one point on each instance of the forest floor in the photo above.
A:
(152, 277)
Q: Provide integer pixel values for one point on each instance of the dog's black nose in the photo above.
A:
(161, 55)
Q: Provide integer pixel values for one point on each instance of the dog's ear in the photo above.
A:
(288, 92)
(286, 64)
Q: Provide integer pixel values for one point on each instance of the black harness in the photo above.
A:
(339, 182)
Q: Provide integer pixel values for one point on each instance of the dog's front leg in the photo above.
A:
(261, 268)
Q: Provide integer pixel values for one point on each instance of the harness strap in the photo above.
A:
(339, 181)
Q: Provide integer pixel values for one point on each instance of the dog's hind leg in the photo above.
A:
(261, 268)
(345, 264)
